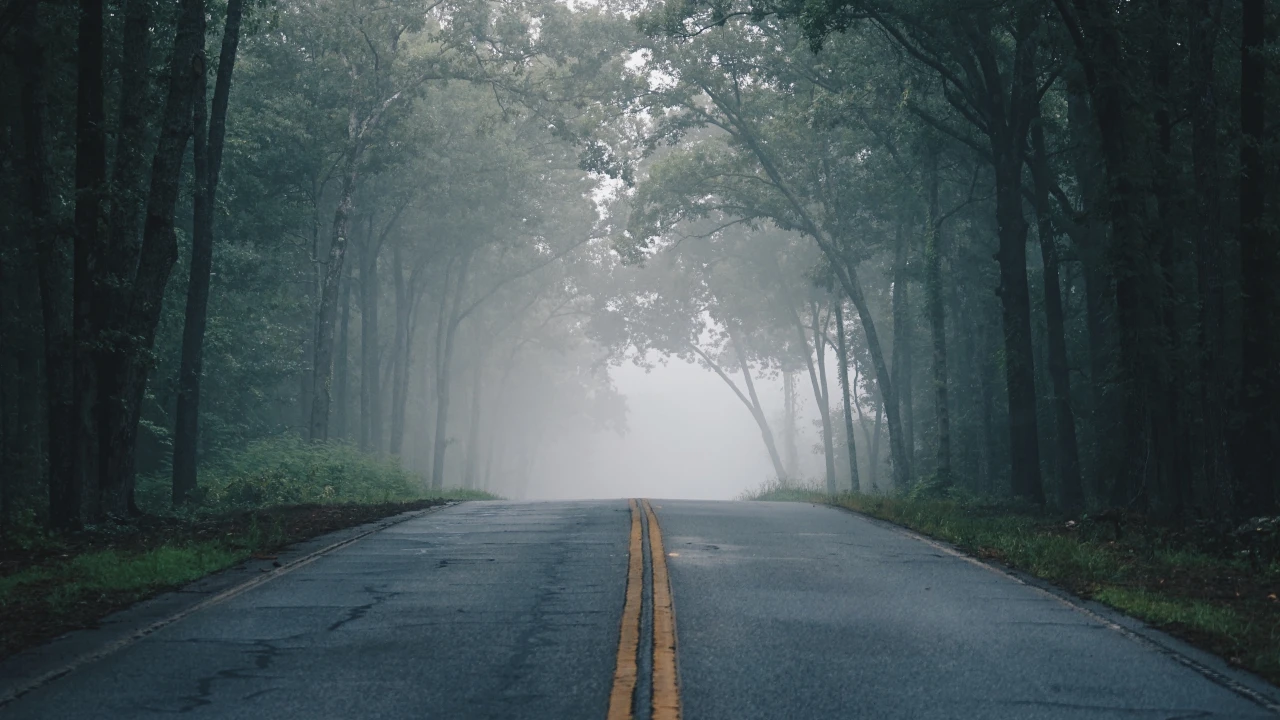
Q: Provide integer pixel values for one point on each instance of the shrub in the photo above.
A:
(289, 471)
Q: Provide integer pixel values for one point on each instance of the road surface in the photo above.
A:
(522, 610)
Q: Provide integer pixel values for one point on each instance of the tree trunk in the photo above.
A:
(937, 322)
(327, 312)
(471, 475)
(342, 363)
(118, 261)
(766, 434)
(1015, 303)
(987, 370)
(208, 165)
(370, 391)
(90, 197)
(1260, 378)
(816, 381)
(187, 422)
(406, 298)
(902, 344)
(54, 261)
(846, 393)
(822, 397)
(1071, 490)
(875, 451)
(789, 423)
(443, 374)
(1120, 103)
(1209, 238)
(897, 443)
(1091, 242)
(126, 360)
(1170, 410)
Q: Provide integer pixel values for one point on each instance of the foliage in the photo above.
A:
(290, 471)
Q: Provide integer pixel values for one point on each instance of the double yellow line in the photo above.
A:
(666, 684)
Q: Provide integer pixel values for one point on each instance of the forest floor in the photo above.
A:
(1196, 584)
(51, 584)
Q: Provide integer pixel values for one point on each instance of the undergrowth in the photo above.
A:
(291, 471)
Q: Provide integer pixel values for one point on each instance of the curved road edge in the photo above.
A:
(1210, 666)
(41, 665)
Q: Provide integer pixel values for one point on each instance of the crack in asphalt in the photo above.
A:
(263, 657)
(355, 613)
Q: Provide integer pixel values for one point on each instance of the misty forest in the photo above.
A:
(1015, 257)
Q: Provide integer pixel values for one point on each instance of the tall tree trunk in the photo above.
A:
(875, 451)
(1120, 104)
(987, 371)
(342, 363)
(123, 370)
(1092, 238)
(897, 443)
(444, 373)
(823, 399)
(471, 474)
(1170, 411)
(118, 260)
(1099, 296)
(208, 165)
(406, 298)
(187, 421)
(766, 433)
(937, 321)
(816, 381)
(846, 393)
(117, 264)
(370, 391)
(902, 344)
(789, 423)
(1071, 490)
(327, 312)
(1260, 378)
(90, 198)
(1015, 302)
(54, 261)
(491, 445)
(1209, 238)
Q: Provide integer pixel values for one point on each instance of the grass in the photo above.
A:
(1215, 599)
(288, 470)
(254, 502)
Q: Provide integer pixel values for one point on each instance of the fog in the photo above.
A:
(687, 437)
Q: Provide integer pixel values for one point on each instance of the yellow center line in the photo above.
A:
(625, 671)
(666, 683)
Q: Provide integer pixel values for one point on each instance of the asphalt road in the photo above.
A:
(513, 610)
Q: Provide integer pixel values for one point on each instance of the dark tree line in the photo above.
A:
(1115, 163)
(184, 184)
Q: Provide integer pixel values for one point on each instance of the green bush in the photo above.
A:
(289, 471)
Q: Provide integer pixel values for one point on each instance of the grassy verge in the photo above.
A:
(253, 504)
(1215, 599)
